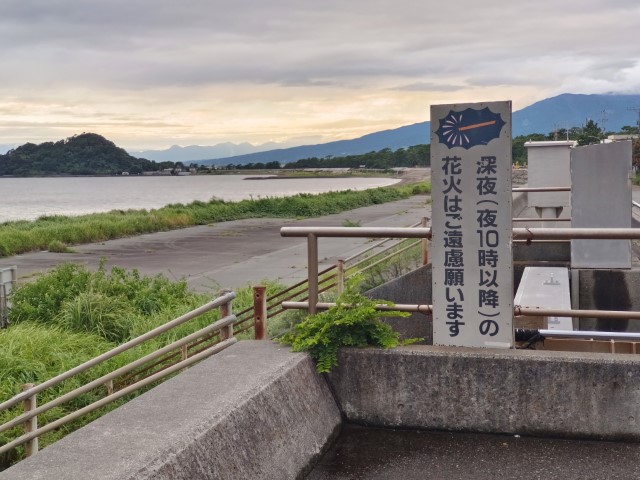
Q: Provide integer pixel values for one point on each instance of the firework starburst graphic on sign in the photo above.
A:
(469, 128)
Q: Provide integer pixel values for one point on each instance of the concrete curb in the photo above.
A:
(255, 410)
(539, 393)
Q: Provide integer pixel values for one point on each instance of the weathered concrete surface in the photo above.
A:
(411, 288)
(538, 393)
(382, 454)
(253, 411)
(609, 290)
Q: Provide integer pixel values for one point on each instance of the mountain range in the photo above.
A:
(610, 111)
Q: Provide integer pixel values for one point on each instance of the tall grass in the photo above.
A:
(70, 315)
(60, 231)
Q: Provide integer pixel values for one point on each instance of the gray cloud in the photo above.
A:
(151, 51)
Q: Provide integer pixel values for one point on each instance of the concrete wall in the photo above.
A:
(524, 392)
(609, 290)
(255, 411)
(548, 166)
(411, 288)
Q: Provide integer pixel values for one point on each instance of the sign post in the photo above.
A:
(471, 224)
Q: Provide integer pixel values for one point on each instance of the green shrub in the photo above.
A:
(353, 322)
(57, 246)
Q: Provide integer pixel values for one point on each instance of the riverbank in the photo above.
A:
(57, 233)
(228, 254)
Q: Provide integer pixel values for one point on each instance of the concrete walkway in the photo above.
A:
(229, 254)
(381, 454)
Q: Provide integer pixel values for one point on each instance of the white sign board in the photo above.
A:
(471, 224)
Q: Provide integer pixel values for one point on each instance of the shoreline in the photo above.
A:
(227, 254)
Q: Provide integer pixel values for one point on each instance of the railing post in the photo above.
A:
(260, 312)
(340, 280)
(425, 243)
(30, 425)
(109, 386)
(225, 310)
(312, 270)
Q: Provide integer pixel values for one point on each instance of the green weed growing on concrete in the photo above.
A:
(353, 322)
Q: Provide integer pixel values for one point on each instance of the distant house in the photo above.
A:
(621, 138)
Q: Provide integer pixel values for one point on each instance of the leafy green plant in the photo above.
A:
(353, 322)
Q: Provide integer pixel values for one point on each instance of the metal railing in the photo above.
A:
(518, 311)
(222, 327)
(526, 234)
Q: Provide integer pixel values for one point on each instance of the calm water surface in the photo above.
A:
(30, 198)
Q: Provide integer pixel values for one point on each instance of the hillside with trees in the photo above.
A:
(84, 154)
(419, 155)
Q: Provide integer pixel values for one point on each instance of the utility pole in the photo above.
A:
(637, 110)
(603, 121)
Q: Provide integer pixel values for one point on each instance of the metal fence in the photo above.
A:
(525, 234)
(187, 350)
(155, 370)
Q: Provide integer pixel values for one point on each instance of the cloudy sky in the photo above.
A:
(152, 73)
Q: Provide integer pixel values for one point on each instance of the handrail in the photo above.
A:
(518, 233)
(541, 189)
(115, 396)
(116, 373)
(223, 326)
(119, 349)
(518, 310)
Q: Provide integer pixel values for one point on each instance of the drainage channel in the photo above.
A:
(376, 454)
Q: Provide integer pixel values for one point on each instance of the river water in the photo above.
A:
(30, 198)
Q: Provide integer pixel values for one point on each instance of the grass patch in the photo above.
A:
(351, 223)
(61, 232)
(69, 315)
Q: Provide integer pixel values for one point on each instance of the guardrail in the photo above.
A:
(223, 327)
(525, 234)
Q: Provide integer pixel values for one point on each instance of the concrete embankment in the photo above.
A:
(541, 393)
(254, 411)
(258, 411)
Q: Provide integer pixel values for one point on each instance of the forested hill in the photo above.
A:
(84, 154)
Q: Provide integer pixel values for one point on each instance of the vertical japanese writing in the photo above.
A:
(471, 225)
(489, 238)
(453, 243)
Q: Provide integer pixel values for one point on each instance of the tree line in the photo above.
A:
(419, 155)
(84, 154)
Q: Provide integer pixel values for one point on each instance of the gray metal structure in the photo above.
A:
(601, 198)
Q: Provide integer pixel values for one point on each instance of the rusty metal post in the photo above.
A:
(109, 386)
(425, 243)
(312, 271)
(260, 312)
(30, 425)
(340, 280)
(225, 310)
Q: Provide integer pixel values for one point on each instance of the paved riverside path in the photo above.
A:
(229, 254)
